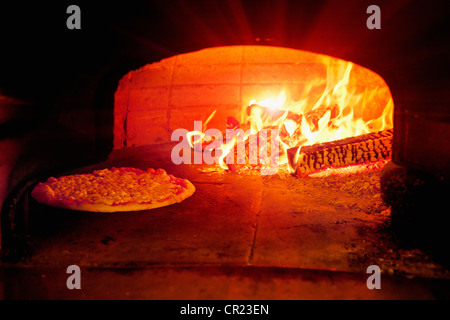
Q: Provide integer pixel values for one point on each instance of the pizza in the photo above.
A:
(113, 190)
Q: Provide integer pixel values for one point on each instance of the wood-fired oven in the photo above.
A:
(342, 95)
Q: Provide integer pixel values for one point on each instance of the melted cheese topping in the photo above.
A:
(115, 186)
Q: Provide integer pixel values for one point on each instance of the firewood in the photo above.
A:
(365, 148)
(315, 115)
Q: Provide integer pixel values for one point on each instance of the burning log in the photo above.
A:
(341, 153)
(315, 115)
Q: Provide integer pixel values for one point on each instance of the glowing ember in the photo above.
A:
(351, 169)
(328, 110)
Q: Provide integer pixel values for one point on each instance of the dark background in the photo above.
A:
(67, 78)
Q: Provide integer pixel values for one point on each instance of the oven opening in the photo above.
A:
(257, 108)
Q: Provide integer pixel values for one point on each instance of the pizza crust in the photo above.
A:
(44, 193)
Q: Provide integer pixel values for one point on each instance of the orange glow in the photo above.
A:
(326, 110)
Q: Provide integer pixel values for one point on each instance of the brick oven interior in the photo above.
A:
(134, 74)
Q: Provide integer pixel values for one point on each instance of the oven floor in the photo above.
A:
(237, 237)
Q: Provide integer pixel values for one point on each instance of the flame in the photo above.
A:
(290, 126)
(337, 112)
(196, 137)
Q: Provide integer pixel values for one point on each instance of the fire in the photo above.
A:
(336, 112)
